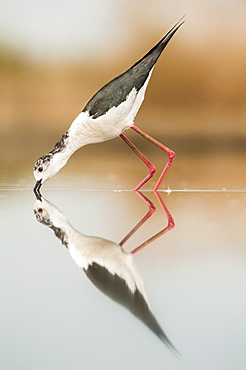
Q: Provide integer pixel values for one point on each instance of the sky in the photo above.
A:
(69, 29)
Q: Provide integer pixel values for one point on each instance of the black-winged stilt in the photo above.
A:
(109, 267)
(107, 115)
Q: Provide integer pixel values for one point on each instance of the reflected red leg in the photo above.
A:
(170, 153)
(170, 225)
(151, 167)
(150, 212)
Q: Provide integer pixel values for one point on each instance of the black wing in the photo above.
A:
(116, 288)
(116, 91)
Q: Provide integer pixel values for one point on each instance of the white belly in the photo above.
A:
(87, 130)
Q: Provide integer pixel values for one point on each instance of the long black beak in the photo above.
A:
(36, 189)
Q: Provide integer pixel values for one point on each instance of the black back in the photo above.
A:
(115, 92)
(116, 288)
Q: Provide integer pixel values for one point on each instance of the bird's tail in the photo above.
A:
(154, 53)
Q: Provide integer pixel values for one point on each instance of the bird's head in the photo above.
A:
(42, 212)
(46, 213)
(47, 166)
(44, 168)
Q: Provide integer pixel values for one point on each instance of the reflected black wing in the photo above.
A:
(116, 91)
(116, 288)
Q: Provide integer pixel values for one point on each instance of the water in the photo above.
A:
(194, 277)
(53, 317)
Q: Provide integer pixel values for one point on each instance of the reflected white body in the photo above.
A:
(86, 249)
(106, 264)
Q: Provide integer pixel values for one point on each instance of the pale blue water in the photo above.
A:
(52, 317)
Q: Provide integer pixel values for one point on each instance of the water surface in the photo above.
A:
(194, 277)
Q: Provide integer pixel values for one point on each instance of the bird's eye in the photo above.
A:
(40, 210)
(40, 169)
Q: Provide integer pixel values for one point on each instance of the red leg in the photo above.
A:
(170, 225)
(152, 168)
(150, 212)
(170, 153)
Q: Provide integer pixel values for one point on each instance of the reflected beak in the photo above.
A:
(37, 189)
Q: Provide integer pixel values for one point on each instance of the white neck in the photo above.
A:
(62, 152)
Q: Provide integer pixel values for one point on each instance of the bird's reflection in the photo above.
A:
(109, 267)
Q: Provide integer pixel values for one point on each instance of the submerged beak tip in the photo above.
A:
(38, 185)
(36, 189)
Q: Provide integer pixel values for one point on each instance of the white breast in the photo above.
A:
(87, 130)
(88, 249)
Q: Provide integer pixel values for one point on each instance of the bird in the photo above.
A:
(106, 264)
(108, 114)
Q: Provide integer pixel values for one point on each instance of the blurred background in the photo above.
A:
(54, 55)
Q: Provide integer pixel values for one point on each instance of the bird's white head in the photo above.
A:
(42, 211)
(47, 214)
(44, 168)
(48, 166)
